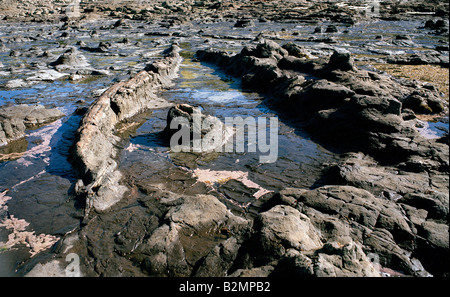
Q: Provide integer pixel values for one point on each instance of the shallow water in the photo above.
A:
(40, 178)
(434, 129)
(299, 159)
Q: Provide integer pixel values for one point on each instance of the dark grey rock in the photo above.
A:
(14, 120)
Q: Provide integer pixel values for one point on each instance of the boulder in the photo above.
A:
(390, 228)
(341, 60)
(47, 75)
(206, 133)
(243, 23)
(192, 237)
(284, 227)
(70, 59)
(265, 49)
(337, 260)
(296, 50)
(95, 149)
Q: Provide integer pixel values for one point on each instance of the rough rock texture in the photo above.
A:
(284, 227)
(342, 105)
(14, 120)
(244, 12)
(391, 200)
(385, 211)
(205, 132)
(175, 235)
(95, 148)
(70, 59)
(289, 241)
(391, 230)
(175, 248)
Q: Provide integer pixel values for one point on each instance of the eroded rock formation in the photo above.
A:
(95, 150)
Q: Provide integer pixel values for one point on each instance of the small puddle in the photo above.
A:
(230, 175)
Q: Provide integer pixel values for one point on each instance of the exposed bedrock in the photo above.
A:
(343, 106)
(96, 147)
(388, 197)
(187, 128)
(399, 234)
(14, 120)
(196, 235)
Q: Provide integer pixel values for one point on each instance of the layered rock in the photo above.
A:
(288, 240)
(342, 105)
(71, 59)
(394, 231)
(189, 239)
(386, 210)
(179, 235)
(14, 120)
(95, 149)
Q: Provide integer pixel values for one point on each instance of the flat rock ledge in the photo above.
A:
(95, 149)
(14, 120)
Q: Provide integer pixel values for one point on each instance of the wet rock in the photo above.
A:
(219, 260)
(265, 49)
(15, 53)
(187, 239)
(14, 120)
(343, 105)
(423, 102)
(120, 23)
(293, 239)
(357, 169)
(95, 149)
(420, 59)
(331, 29)
(381, 117)
(47, 75)
(50, 269)
(103, 47)
(237, 191)
(341, 61)
(296, 50)
(320, 95)
(11, 129)
(284, 227)
(71, 59)
(16, 83)
(378, 225)
(198, 126)
(3, 48)
(439, 26)
(244, 23)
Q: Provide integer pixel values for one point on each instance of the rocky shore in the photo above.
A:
(381, 209)
(95, 147)
(363, 112)
(14, 120)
